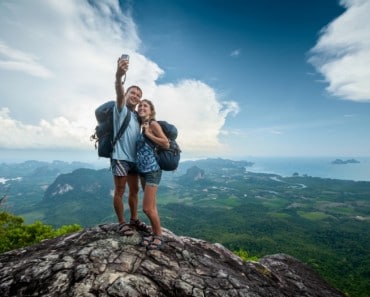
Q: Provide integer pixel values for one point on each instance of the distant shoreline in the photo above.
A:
(314, 166)
(343, 162)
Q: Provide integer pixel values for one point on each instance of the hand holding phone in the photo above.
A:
(122, 65)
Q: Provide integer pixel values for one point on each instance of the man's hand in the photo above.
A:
(122, 67)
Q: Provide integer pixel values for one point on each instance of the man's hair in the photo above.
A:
(136, 87)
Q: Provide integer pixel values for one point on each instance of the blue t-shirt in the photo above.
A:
(146, 161)
(125, 147)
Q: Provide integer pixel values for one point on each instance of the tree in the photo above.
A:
(15, 234)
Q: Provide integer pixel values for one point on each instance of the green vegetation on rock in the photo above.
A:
(15, 234)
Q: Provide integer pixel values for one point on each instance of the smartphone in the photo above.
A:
(125, 57)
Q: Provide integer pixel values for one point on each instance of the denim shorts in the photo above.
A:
(152, 178)
(123, 168)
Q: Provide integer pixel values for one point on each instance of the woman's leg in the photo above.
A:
(150, 208)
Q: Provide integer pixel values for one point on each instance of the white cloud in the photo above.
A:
(57, 64)
(12, 59)
(342, 53)
(59, 133)
(194, 108)
(235, 53)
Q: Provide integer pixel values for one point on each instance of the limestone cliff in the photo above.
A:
(99, 262)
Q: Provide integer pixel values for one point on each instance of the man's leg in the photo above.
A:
(119, 190)
(133, 195)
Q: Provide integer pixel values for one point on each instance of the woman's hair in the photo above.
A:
(152, 108)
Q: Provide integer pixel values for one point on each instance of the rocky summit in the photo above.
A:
(99, 262)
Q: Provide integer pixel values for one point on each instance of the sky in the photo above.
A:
(238, 78)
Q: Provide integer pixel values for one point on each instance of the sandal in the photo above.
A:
(153, 245)
(140, 225)
(125, 229)
(146, 240)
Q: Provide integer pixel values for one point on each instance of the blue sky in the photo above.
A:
(238, 78)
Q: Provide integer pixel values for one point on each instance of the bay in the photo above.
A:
(312, 166)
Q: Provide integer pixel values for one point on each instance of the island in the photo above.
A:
(349, 161)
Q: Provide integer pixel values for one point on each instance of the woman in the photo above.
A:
(149, 170)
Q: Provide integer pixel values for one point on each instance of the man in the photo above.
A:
(124, 153)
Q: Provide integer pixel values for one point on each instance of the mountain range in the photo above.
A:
(322, 222)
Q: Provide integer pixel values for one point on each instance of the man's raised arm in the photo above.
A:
(122, 66)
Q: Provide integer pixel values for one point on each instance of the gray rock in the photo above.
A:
(100, 262)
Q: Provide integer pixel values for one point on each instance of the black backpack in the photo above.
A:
(168, 159)
(103, 136)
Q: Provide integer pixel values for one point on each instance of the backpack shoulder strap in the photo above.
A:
(123, 127)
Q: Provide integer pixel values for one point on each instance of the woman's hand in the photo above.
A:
(154, 132)
(146, 129)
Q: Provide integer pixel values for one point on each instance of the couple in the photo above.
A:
(132, 155)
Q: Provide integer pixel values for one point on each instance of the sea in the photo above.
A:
(283, 166)
(312, 166)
